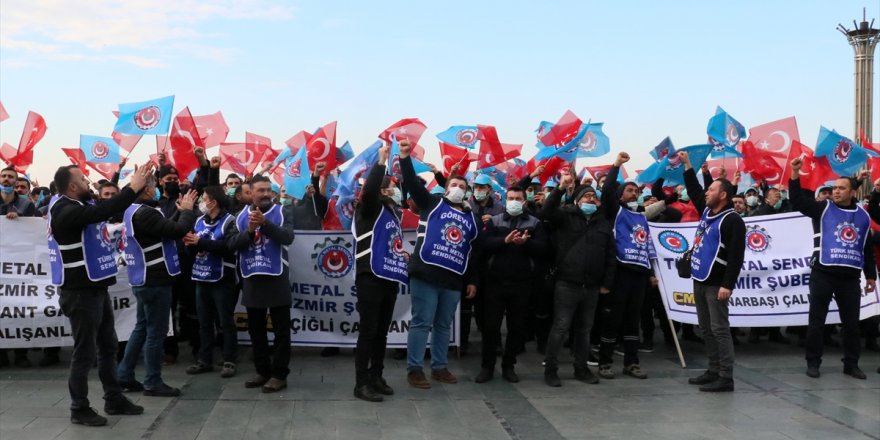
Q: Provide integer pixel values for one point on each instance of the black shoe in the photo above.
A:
(122, 406)
(813, 371)
(855, 372)
(87, 417)
(329, 352)
(485, 375)
(131, 387)
(365, 392)
(551, 378)
(256, 381)
(22, 362)
(199, 368)
(378, 384)
(720, 385)
(585, 375)
(162, 391)
(509, 375)
(49, 359)
(703, 379)
(399, 354)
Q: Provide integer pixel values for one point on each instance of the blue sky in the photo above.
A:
(645, 69)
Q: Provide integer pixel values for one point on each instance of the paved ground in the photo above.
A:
(774, 400)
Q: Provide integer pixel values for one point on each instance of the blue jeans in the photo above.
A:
(433, 308)
(215, 302)
(153, 309)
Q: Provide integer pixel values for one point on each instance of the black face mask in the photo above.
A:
(172, 190)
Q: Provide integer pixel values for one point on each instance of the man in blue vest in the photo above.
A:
(263, 231)
(841, 250)
(216, 279)
(717, 258)
(622, 310)
(380, 269)
(513, 242)
(151, 258)
(82, 264)
(439, 267)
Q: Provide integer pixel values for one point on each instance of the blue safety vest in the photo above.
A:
(707, 244)
(208, 266)
(384, 245)
(842, 236)
(264, 256)
(94, 250)
(138, 258)
(446, 237)
(632, 238)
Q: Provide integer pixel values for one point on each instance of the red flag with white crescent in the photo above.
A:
(775, 140)
(322, 147)
(184, 138)
(34, 130)
(410, 129)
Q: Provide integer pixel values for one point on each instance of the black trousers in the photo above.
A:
(848, 294)
(622, 314)
(94, 334)
(503, 297)
(375, 304)
(653, 308)
(276, 365)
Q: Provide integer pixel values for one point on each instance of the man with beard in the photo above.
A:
(84, 268)
(261, 236)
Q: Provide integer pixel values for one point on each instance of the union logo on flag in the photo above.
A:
(100, 150)
(842, 151)
(294, 169)
(148, 117)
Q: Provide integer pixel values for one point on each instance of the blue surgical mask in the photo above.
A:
(784, 195)
(641, 199)
(514, 207)
(157, 194)
(467, 194)
(588, 208)
(286, 201)
(530, 196)
(6, 189)
(598, 194)
(684, 197)
(397, 197)
(778, 204)
(230, 192)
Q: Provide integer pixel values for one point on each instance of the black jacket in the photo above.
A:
(585, 252)
(308, 214)
(733, 236)
(508, 262)
(69, 217)
(367, 211)
(611, 207)
(151, 227)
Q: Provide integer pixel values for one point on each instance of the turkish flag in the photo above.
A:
(602, 170)
(815, 170)
(331, 219)
(126, 142)
(77, 157)
(760, 164)
(410, 129)
(212, 129)
(730, 165)
(20, 161)
(34, 130)
(184, 138)
(563, 131)
(776, 139)
(322, 147)
(3, 115)
(298, 141)
(235, 157)
(492, 151)
(552, 166)
(105, 169)
(453, 155)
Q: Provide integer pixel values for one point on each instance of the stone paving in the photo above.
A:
(774, 399)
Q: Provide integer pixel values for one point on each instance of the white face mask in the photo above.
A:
(632, 205)
(455, 195)
(514, 207)
(203, 207)
(481, 194)
(752, 201)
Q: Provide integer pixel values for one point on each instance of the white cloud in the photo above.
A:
(118, 29)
